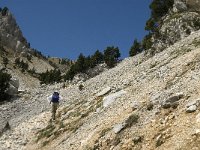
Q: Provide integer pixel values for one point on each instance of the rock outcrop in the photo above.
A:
(180, 22)
(10, 33)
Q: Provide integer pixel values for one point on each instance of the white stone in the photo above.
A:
(118, 127)
(111, 98)
(104, 91)
(192, 108)
(17, 45)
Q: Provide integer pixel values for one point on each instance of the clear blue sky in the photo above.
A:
(66, 28)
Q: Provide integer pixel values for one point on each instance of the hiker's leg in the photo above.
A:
(56, 107)
(53, 111)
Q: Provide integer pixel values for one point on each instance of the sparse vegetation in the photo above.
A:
(173, 16)
(132, 119)
(159, 8)
(21, 64)
(138, 139)
(38, 54)
(196, 43)
(46, 132)
(80, 87)
(29, 57)
(5, 61)
(103, 132)
(50, 77)
(149, 106)
(116, 140)
(197, 23)
(2, 50)
(83, 63)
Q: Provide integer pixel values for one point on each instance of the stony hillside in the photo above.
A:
(144, 103)
(140, 104)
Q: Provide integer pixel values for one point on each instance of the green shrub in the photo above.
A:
(135, 49)
(4, 11)
(5, 61)
(159, 8)
(132, 119)
(149, 106)
(4, 85)
(97, 58)
(50, 77)
(83, 64)
(80, 87)
(29, 57)
(197, 23)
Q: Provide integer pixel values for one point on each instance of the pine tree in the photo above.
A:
(97, 58)
(80, 64)
(111, 55)
(135, 48)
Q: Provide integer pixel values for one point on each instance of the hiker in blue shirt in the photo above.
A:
(54, 101)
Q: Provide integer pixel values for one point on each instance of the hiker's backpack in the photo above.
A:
(55, 98)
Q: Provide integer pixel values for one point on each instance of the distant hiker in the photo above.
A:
(54, 101)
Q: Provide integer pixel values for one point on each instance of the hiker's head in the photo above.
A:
(55, 93)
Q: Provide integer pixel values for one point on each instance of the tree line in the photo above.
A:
(110, 56)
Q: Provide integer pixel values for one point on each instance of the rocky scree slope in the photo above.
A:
(139, 104)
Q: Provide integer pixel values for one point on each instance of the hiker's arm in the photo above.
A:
(60, 98)
(49, 99)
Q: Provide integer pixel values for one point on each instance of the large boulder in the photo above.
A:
(127, 122)
(172, 101)
(112, 97)
(192, 106)
(104, 91)
(15, 82)
(179, 6)
(14, 85)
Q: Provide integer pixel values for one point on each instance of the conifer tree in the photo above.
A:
(111, 55)
(135, 48)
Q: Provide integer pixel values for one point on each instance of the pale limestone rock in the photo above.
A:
(191, 108)
(112, 97)
(104, 91)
